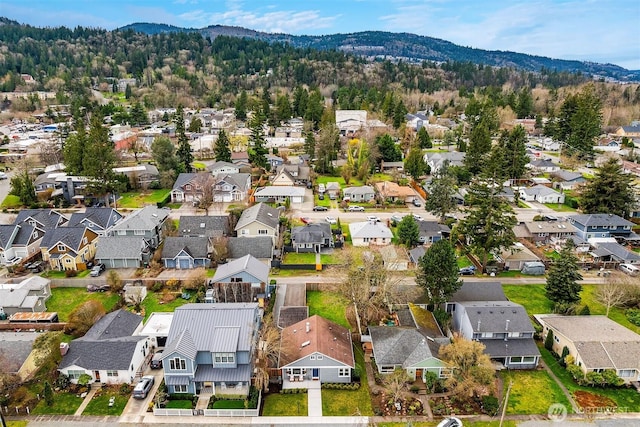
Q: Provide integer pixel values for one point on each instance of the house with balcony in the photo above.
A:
(596, 343)
(96, 219)
(148, 222)
(211, 348)
(19, 242)
(69, 248)
(590, 226)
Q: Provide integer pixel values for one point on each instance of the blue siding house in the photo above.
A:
(210, 348)
(591, 226)
(186, 252)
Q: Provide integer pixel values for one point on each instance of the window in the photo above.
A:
(180, 388)
(112, 373)
(486, 335)
(138, 232)
(626, 373)
(529, 359)
(387, 369)
(236, 280)
(84, 240)
(319, 357)
(244, 232)
(344, 372)
(122, 232)
(514, 334)
(225, 357)
(74, 375)
(178, 364)
(263, 232)
(61, 248)
(312, 357)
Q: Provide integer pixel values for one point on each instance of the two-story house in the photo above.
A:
(29, 295)
(545, 231)
(221, 168)
(259, 220)
(186, 252)
(481, 312)
(148, 222)
(19, 242)
(99, 220)
(210, 226)
(231, 187)
(69, 248)
(312, 237)
(191, 187)
(210, 348)
(140, 176)
(589, 226)
(240, 280)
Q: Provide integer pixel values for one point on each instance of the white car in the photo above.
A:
(417, 217)
(373, 218)
(331, 220)
(355, 209)
(3, 175)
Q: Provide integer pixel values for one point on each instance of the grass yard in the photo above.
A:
(353, 182)
(135, 200)
(291, 273)
(616, 314)
(285, 405)
(532, 297)
(228, 404)
(54, 274)
(463, 261)
(334, 258)
(624, 397)
(199, 166)
(153, 302)
(559, 207)
(329, 305)
(11, 202)
(349, 402)
(179, 404)
(65, 300)
(299, 258)
(63, 404)
(532, 392)
(21, 423)
(99, 405)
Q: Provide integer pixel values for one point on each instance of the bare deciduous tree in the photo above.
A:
(204, 184)
(83, 317)
(472, 371)
(268, 350)
(614, 292)
(220, 250)
(396, 382)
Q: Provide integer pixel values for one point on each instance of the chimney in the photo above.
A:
(64, 348)
(308, 327)
(506, 328)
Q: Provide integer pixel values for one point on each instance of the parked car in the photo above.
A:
(630, 269)
(97, 287)
(141, 389)
(321, 188)
(450, 422)
(468, 271)
(305, 219)
(331, 220)
(417, 217)
(355, 209)
(320, 208)
(396, 217)
(321, 196)
(3, 175)
(373, 218)
(97, 270)
(416, 203)
(35, 267)
(156, 361)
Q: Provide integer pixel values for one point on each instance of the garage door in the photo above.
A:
(184, 264)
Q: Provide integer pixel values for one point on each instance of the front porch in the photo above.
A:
(304, 383)
(223, 388)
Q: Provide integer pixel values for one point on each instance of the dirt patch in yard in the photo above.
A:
(585, 399)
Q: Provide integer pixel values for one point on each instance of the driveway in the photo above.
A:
(296, 295)
(136, 409)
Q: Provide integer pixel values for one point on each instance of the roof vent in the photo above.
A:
(306, 343)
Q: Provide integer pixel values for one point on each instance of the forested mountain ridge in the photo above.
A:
(406, 46)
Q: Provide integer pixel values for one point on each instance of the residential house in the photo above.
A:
(300, 172)
(596, 343)
(370, 233)
(140, 176)
(544, 165)
(589, 226)
(549, 144)
(210, 348)
(148, 222)
(545, 232)
(69, 248)
(388, 167)
(516, 256)
(242, 279)
(191, 187)
(613, 252)
(432, 231)
(259, 220)
(204, 226)
(283, 177)
(47, 182)
(288, 132)
(632, 131)
(29, 295)
(123, 251)
(259, 247)
(312, 237)
(240, 158)
(412, 344)
(274, 161)
(111, 352)
(43, 219)
(280, 194)
(19, 242)
(99, 220)
(568, 180)
(480, 311)
(393, 192)
(415, 254)
(232, 187)
(417, 120)
(362, 194)
(314, 351)
(185, 252)
(541, 194)
(394, 258)
(221, 167)
(333, 190)
(349, 122)
(437, 160)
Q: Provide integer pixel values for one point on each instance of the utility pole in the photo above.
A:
(506, 401)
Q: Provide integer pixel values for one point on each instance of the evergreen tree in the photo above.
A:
(300, 101)
(438, 272)
(508, 158)
(310, 145)
(524, 104)
(399, 113)
(611, 191)
(283, 108)
(579, 122)
(195, 125)
(47, 392)
(100, 159)
(73, 151)
(414, 164)
(127, 92)
(488, 226)
(164, 154)
(315, 108)
(389, 151)
(185, 157)
(478, 148)
(442, 188)
(221, 150)
(22, 187)
(241, 106)
(138, 115)
(562, 280)
(257, 152)
(408, 231)
(548, 341)
(423, 138)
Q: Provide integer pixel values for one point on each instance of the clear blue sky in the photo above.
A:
(592, 30)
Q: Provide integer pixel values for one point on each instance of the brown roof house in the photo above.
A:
(315, 351)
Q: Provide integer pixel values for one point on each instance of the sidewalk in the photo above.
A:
(86, 400)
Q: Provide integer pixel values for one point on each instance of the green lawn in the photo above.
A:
(291, 273)
(54, 274)
(65, 300)
(20, 423)
(285, 405)
(560, 207)
(299, 258)
(323, 179)
(11, 202)
(334, 258)
(532, 297)
(63, 404)
(135, 200)
(532, 392)
(349, 402)
(153, 303)
(228, 404)
(179, 404)
(198, 165)
(624, 397)
(463, 261)
(616, 314)
(99, 405)
(329, 305)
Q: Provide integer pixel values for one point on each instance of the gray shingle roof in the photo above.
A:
(120, 247)
(566, 175)
(600, 220)
(511, 347)
(117, 324)
(24, 235)
(197, 247)
(261, 213)
(237, 180)
(497, 316)
(416, 253)
(182, 179)
(247, 264)
(6, 235)
(47, 218)
(479, 291)
(315, 232)
(432, 228)
(260, 247)
(399, 346)
(146, 218)
(363, 189)
(70, 236)
(617, 251)
(369, 229)
(210, 226)
(220, 165)
(103, 218)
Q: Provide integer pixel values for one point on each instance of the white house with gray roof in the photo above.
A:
(210, 348)
(541, 194)
(29, 295)
(223, 168)
(111, 352)
(280, 194)
(363, 193)
(370, 233)
(147, 222)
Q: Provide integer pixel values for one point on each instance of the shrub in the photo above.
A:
(490, 405)
(62, 382)
(576, 373)
(585, 311)
(414, 389)
(548, 341)
(157, 286)
(633, 316)
(173, 284)
(70, 273)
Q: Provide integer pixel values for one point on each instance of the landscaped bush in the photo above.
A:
(490, 405)
(70, 273)
(184, 396)
(633, 316)
(293, 391)
(341, 386)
